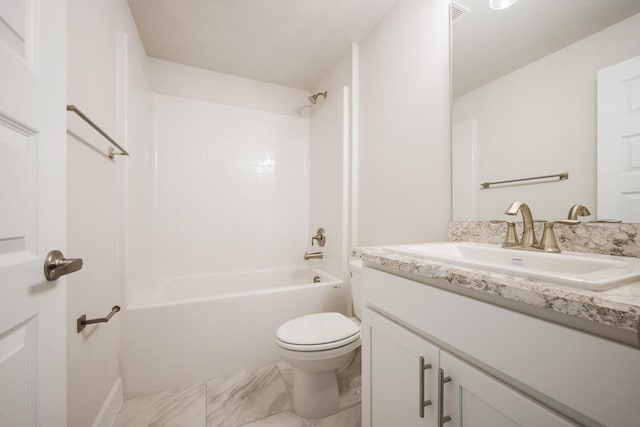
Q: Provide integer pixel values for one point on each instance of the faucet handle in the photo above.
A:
(511, 238)
(578, 210)
(320, 237)
(548, 242)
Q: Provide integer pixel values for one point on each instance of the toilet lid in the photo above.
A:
(318, 328)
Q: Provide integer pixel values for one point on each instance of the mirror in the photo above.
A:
(525, 104)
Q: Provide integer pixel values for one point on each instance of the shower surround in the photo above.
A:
(217, 225)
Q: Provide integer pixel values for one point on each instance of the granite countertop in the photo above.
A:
(618, 308)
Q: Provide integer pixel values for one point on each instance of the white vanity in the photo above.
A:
(454, 345)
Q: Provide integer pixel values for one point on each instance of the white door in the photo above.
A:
(395, 360)
(32, 211)
(619, 141)
(473, 398)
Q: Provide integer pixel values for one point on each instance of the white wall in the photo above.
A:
(329, 165)
(102, 41)
(541, 119)
(140, 167)
(404, 157)
(169, 78)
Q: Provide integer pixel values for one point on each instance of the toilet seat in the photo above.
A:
(317, 332)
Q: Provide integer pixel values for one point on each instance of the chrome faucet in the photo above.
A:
(313, 255)
(528, 233)
(576, 211)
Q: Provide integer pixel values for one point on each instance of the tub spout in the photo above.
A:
(313, 255)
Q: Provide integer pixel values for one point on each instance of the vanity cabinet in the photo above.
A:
(404, 372)
(505, 368)
(400, 365)
(474, 398)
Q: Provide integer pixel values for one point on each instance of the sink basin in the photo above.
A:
(584, 271)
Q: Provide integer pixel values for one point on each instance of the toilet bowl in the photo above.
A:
(316, 346)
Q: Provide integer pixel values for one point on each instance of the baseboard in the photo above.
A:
(110, 408)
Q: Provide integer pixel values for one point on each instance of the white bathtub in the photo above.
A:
(194, 329)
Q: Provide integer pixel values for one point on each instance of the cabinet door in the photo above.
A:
(473, 398)
(393, 374)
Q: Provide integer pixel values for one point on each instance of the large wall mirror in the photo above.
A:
(545, 88)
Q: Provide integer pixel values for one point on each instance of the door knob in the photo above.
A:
(56, 265)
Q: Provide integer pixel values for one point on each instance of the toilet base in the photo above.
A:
(315, 394)
(315, 379)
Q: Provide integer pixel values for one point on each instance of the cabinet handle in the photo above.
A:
(442, 380)
(423, 367)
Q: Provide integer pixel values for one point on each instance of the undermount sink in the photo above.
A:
(584, 271)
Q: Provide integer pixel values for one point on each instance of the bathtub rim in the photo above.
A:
(333, 281)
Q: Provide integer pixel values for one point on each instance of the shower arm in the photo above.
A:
(314, 98)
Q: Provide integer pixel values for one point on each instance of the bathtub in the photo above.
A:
(198, 328)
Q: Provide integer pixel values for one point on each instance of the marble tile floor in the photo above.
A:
(247, 399)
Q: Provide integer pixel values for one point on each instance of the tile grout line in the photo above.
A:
(285, 384)
(206, 403)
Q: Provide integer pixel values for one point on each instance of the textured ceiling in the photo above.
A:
(286, 42)
(488, 44)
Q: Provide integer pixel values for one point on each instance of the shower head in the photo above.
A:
(314, 98)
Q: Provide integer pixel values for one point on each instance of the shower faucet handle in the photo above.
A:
(320, 237)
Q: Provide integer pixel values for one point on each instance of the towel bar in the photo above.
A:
(561, 176)
(112, 152)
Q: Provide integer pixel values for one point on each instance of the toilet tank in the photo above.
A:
(355, 270)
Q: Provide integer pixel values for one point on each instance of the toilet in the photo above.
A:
(317, 345)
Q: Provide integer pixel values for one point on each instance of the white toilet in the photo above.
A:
(317, 345)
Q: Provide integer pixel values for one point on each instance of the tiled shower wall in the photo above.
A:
(232, 188)
(223, 186)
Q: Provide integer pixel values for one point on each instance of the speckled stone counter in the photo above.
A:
(596, 238)
(618, 308)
